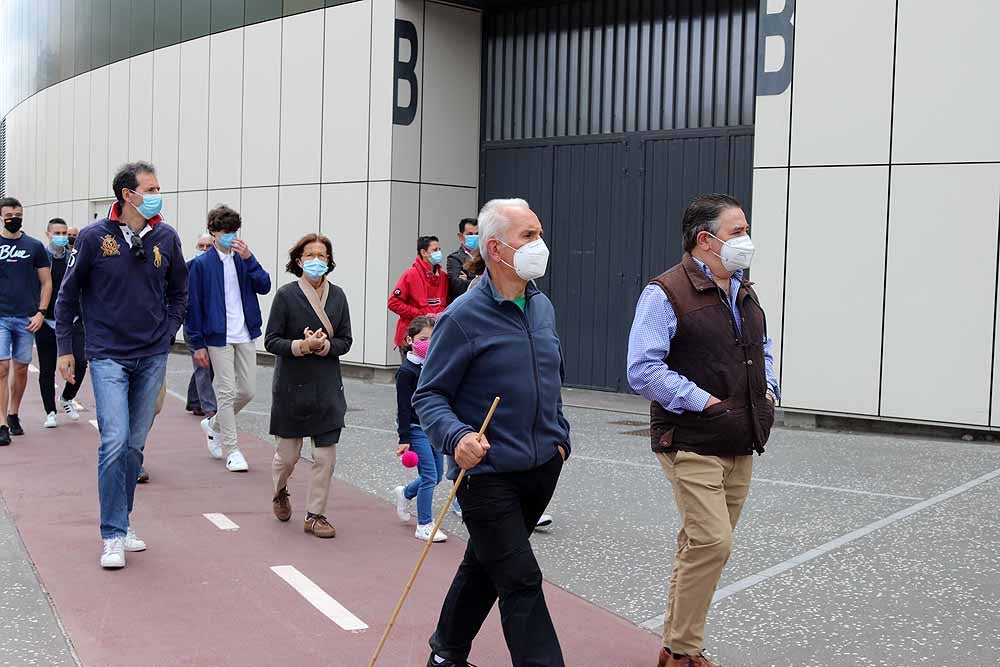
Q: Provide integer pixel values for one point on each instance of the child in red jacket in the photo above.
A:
(422, 290)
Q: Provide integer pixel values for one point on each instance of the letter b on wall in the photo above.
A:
(405, 71)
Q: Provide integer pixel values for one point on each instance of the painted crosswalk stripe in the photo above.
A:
(221, 521)
(319, 598)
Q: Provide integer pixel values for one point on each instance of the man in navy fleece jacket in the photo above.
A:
(499, 339)
(127, 279)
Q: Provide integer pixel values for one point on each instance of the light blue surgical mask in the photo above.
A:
(226, 240)
(437, 257)
(315, 268)
(472, 241)
(151, 205)
(60, 241)
(199, 253)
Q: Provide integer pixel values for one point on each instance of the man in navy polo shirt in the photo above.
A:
(128, 280)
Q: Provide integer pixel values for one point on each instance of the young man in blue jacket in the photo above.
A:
(223, 319)
(127, 279)
(499, 339)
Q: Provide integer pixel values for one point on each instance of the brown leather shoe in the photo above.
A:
(686, 660)
(319, 526)
(281, 505)
(664, 656)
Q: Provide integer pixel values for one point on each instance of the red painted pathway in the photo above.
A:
(203, 596)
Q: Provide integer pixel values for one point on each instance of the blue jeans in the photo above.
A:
(431, 468)
(451, 466)
(15, 339)
(125, 391)
(200, 392)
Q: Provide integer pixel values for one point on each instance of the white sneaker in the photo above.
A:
(456, 508)
(214, 446)
(236, 463)
(69, 409)
(132, 541)
(544, 521)
(78, 405)
(50, 420)
(113, 557)
(402, 504)
(424, 531)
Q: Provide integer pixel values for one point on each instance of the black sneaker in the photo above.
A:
(143, 476)
(4, 436)
(15, 425)
(433, 662)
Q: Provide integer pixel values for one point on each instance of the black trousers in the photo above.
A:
(45, 342)
(500, 512)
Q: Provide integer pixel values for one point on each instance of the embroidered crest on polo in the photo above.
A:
(157, 256)
(109, 246)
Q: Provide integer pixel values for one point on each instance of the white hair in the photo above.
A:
(206, 237)
(493, 223)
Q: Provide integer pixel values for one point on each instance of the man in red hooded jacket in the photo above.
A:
(422, 289)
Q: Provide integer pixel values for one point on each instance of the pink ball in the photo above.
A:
(410, 459)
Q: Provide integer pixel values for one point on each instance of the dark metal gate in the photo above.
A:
(608, 116)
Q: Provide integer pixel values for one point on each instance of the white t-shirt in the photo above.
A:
(236, 325)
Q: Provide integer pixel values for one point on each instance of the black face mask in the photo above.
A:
(72, 240)
(12, 225)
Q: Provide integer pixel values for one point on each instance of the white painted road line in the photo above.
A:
(176, 395)
(32, 368)
(771, 572)
(319, 598)
(759, 479)
(93, 422)
(221, 521)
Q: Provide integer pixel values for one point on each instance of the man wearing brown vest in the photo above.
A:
(699, 352)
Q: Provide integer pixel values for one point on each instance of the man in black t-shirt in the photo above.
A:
(25, 294)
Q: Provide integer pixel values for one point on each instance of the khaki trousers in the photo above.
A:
(709, 492)
(324, 461)
(235, 382)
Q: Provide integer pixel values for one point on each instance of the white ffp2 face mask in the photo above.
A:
(737, 253)
(530, 260)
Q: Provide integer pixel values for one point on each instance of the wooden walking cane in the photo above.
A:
(430, 540)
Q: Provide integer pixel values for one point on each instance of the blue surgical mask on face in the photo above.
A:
(437, 257)
(199, 253)
(226, 240)
(151, 205)
(315, 268)
(60, 241)
(472, 241)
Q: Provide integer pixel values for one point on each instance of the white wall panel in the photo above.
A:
(230, 197)
(345, 88)
(225, 111)
(406, 138)
(946, 63)
(260, 231)
(100, 173)
(78, 214)
(67, 96)
(192, 208)
(833, 328)
(192, 159)
(169, 210)
(140, 100)
(452, 46)
(344, 220)
(301, 99)
(767, 227)
(298, 215)
(939, 305)
(261, 103)
(771, 117)
(441, 207)
(378, 281)
(118, 118)
(166, 114)
(382, 78)
(843, 82)
(81, 136)
(52, 152)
